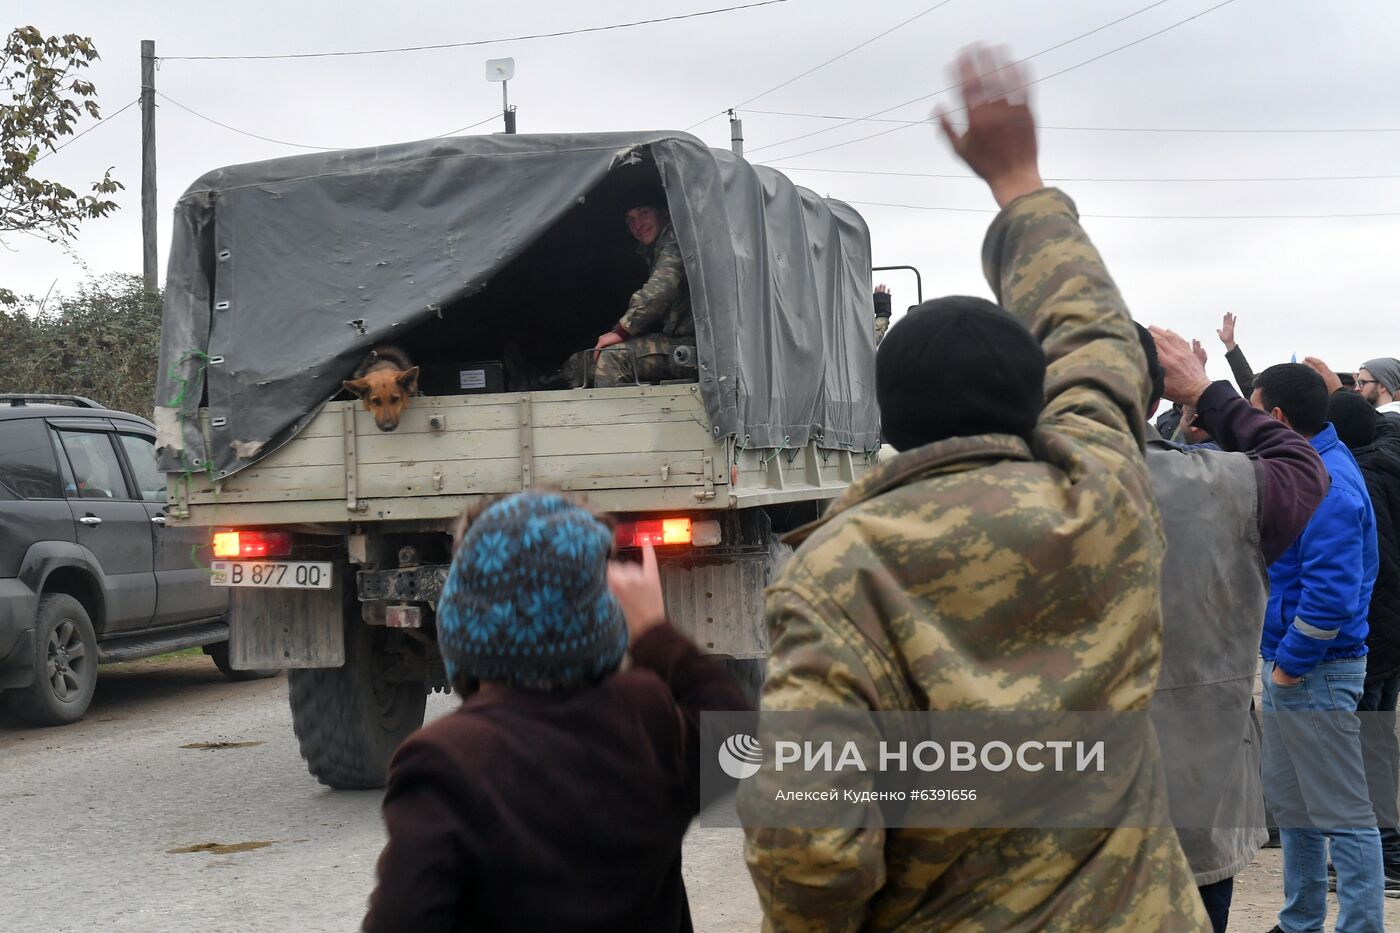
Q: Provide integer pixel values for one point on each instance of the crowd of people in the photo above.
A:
(1039, 547)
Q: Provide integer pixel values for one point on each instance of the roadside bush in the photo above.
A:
(102, 342)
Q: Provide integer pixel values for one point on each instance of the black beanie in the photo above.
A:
(643, 196)
(958, 367)
(1353, 417)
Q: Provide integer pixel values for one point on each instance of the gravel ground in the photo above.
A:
(95, 814)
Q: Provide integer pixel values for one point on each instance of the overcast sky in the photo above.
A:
(1321, 286)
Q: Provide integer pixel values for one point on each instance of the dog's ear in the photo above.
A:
(408, 379)
(356, 387)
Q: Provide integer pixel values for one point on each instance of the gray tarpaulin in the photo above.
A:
(283, 274)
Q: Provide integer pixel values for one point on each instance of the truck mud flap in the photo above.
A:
(716, 597)
(290, 628)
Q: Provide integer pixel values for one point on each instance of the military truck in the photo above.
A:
(486, 258)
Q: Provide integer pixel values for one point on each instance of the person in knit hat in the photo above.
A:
(557, 795)
(1378, 382)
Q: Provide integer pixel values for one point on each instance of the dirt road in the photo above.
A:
(108, 824)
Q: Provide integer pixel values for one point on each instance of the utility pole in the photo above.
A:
(736, 134)
(148, 166)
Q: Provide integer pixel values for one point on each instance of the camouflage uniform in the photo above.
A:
(658, 320)
(983, 573)
(883, 312)
(882, 324)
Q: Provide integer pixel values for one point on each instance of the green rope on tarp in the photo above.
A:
(187, 474)
(188, 471)
(174, 376)
(776, 450)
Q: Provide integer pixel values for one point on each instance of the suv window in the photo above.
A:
(141, 452)
(27, 465)
(96, 471)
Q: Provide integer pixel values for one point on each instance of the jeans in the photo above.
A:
(1383, 761)
(1315, 782)
(1217, 899)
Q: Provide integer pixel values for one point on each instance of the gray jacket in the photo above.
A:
(1214, 590)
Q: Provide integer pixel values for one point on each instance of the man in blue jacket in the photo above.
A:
(1314, 648)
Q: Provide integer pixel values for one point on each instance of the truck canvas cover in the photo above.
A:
(283, 274)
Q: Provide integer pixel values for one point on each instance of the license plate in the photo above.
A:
(272, 574)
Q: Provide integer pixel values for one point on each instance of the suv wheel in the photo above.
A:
(218, 653)
(65, 664)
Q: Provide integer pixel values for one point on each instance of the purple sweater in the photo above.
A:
(1292, 478)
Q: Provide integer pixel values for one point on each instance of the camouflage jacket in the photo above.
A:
(983, 573)
(662, 305)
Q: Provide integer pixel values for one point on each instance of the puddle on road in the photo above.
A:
(219, 848)
(218, 746)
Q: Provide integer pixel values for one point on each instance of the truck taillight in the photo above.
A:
(663, 531)
(233, 545)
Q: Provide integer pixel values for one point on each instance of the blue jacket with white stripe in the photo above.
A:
(1320, 589)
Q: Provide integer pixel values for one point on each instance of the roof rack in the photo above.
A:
(20, 399)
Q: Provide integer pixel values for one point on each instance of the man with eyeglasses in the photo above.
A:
(1378, 382)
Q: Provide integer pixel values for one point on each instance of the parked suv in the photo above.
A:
(89, 571)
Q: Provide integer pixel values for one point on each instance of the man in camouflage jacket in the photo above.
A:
(658, 318)
(988, 571)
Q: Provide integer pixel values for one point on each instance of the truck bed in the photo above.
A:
(630, 449)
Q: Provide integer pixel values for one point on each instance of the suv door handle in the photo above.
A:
(157, 519)
(89, 520)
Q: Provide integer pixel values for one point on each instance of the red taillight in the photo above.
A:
(251, 545)
(663, 531)
(656, 532)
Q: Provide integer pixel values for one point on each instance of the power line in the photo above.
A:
(86, 131)
(815, 68)
(469, 126)
(283, 142)
(988, 210)
(953, 87)
(1053, 74)
(1092, 129)
(462, 45)
(234, 129)
(967, 177)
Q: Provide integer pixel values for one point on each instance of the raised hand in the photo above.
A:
(1333, 381)
(999, 143)
(1199, 351)
(1185, 372)
(637, 589)
(1226, 333)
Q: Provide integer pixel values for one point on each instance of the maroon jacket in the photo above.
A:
(560, 812)
(1292, 479)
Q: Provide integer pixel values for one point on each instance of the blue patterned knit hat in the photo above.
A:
(527, 601)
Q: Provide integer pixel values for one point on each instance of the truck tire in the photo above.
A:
(218, 653)
(348, 720)
(65, 664)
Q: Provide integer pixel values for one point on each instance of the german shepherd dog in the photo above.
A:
(385, 381)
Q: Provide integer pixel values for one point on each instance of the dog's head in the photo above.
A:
(385, 393)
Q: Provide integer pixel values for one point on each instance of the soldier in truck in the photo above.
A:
(658, 318)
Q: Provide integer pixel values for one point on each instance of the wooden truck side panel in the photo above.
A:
(632, 449)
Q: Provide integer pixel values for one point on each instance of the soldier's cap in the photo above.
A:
(643, 196)
(958, 367)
